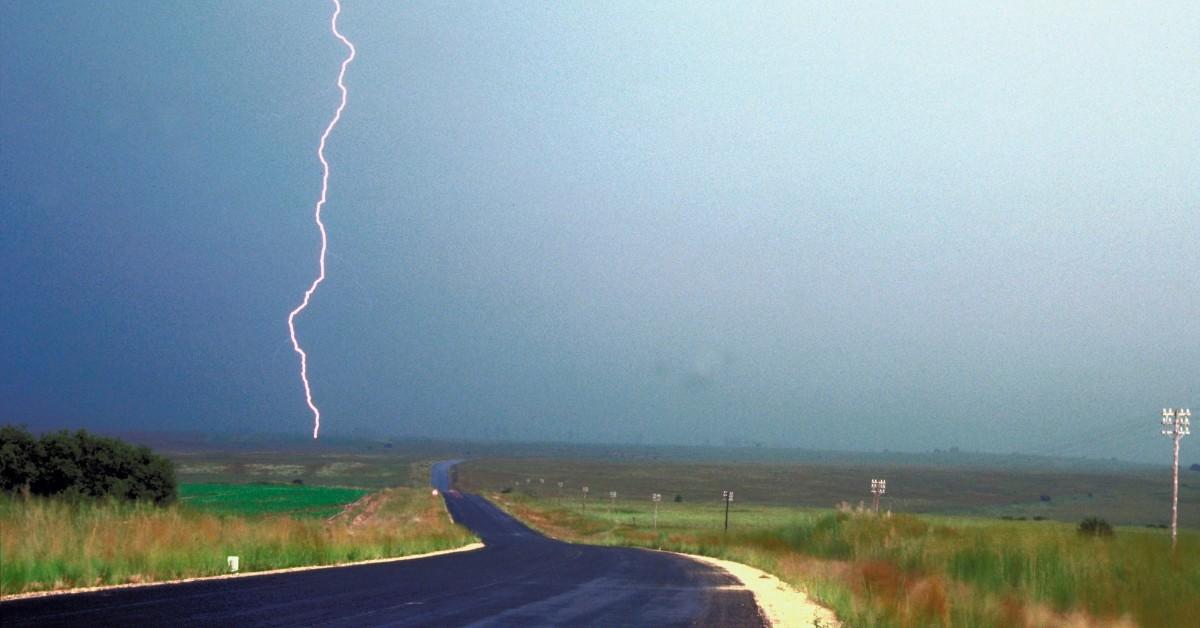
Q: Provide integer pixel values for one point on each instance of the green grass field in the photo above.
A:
(263, 499)
(872, 570)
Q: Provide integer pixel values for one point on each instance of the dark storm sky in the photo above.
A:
(947, 224)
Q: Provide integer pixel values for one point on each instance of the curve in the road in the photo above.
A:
(520, 578)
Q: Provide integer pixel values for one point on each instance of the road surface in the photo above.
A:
(519, 579)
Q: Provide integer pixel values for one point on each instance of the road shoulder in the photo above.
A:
(781, 604)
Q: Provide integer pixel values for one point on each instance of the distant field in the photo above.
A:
(363, 470)
(1130, 497)
(262, 499)
(945, 482)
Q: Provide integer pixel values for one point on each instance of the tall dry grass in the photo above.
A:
(54, 544)
(922, 571)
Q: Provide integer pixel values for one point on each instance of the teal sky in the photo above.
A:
(930, 225)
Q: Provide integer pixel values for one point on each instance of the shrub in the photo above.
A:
(18, 465)
(82, 464)
(1094, 526)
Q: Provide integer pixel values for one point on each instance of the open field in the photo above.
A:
(55, 544)
(1128, 497)
(263, 499)
(363, 470)
(202, 458)
(947, 482)
(900, 570)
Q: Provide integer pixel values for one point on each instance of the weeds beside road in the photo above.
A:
(48, 544)
(914, 570)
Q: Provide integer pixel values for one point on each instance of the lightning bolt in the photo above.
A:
(320, 225)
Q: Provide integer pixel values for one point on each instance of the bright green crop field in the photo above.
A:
(267, 499)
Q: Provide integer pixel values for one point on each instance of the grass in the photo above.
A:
(54, 544)
(260, 499)
(895, 571)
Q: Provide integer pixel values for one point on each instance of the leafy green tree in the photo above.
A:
(58, 465)
(85, 465)
(18, 458)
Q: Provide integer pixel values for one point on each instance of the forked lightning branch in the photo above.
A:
(321, 225)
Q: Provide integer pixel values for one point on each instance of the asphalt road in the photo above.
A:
(520, 579)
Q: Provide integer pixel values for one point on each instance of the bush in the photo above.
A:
(18, 460)
(82, 464)
(1094, 526)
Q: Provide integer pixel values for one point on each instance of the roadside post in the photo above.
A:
(560, 485)
(728, 497)
(585, 492)
(612, 501)
(656, 498)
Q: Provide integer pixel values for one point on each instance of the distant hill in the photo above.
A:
(948, 458)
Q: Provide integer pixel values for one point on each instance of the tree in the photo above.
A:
(18, 458)
(83, 464)
(58, 465)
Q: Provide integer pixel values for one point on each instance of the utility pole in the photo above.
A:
(878, 487)
(728, 497)
(1176, 425)
(585, 492)
(612, 501)
(656, 497)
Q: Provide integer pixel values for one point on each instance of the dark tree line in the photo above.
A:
(82, 464)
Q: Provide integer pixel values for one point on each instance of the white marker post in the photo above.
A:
(656, 497)
(728, 497)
